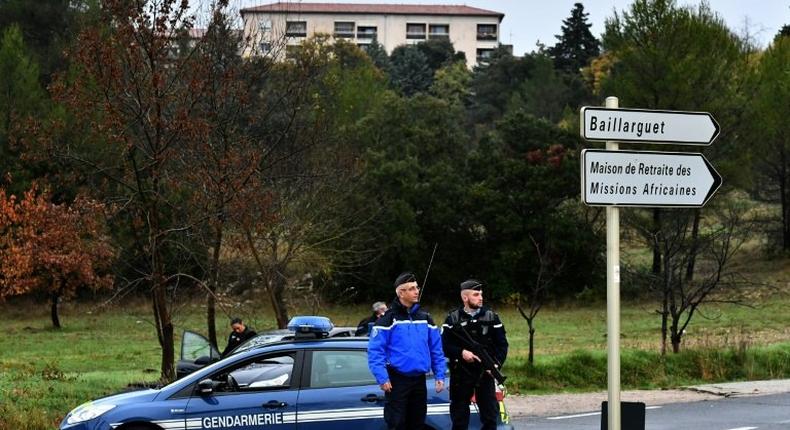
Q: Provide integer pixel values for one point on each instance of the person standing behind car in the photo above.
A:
(404, 345)
(364, 326)
(467, 374)
(239, 333)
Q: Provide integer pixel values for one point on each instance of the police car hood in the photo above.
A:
(146, 395)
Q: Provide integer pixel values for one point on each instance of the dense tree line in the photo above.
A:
(323, 176)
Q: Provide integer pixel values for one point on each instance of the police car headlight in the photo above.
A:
(87, 412)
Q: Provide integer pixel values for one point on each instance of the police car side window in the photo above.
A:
(340, 369)
(262, 373)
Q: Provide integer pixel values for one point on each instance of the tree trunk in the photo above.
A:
(164, 325)
(55, 298)
(277, 295)
(664, 318)
(667, 305)
(211, 316)
(531, 357)
(784, 196)
(656, 246)
(211, 308)
(694, 245)
(275, 284)
(675, 335)
(164, 322)
(675, 339)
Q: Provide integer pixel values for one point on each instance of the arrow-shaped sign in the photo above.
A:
(647, 178)
(652, 126)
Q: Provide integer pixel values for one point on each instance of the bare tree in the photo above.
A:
(535, 295)
(706, 241)
(134, 98)
(222, 164)
(310, 234)
(312, 176)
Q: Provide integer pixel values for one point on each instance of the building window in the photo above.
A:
(344, 29)
(486, 32)
(296, 28)
(366, 32)
(483, 55)
(439, 31)
(415, 31)
(265, 26)
(266, 48)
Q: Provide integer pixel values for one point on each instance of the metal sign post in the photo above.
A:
(613, 298)
(615, 178)
(613, 314)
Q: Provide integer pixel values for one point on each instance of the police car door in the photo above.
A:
(196, 353)
(251, 394)
(339, 392)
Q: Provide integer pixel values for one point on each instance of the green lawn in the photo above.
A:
(45, 372)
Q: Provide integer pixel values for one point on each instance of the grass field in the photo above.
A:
(45, 372)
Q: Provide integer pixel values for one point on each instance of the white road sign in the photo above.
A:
(647, 178)
(650, 126)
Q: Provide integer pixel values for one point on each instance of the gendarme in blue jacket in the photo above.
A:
(407, 341)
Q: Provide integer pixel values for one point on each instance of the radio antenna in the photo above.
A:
(425, 281)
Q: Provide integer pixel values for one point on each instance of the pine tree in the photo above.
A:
(410, 72)
(47, 26)
(21, 96)
(378, 55)
(783, 32)
(576, 46)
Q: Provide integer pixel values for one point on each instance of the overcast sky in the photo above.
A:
(529, 21)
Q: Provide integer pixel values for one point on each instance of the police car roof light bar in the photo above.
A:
(310, 326)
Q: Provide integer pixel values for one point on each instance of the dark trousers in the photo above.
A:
(406, 404)
(462, 386)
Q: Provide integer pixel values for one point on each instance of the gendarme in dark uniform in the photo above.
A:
(467, 375)
(239, 333)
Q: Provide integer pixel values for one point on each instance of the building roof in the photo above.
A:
(376, 9)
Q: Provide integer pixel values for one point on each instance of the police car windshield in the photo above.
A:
(262, 339)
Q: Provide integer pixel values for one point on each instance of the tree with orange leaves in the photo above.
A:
(52, 248)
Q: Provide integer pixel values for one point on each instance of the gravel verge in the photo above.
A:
(562, 404)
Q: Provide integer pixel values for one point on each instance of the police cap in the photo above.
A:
(404, 278)
(471, 284)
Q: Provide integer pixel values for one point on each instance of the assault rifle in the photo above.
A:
(488, 362)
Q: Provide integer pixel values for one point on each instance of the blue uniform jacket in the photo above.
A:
(408, 342)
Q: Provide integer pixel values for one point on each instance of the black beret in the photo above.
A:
(471, 284)
(404, 278)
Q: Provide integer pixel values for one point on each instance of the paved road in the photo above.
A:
(769, 412)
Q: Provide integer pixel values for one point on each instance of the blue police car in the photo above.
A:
(308, 383)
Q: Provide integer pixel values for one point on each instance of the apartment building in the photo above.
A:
(472, 30)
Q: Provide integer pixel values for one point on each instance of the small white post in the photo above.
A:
(613, 299)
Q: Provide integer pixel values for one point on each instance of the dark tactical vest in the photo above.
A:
(478, 326)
